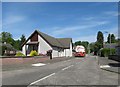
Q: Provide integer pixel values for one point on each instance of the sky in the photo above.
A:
(77, 20)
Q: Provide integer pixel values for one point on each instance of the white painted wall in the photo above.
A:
(24, 49)
(55, 53)
(68, 52)
(43, 45)
(61, 53)
(70, 49)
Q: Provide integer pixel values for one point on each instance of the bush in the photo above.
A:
(19, 54)
(106, 51)
(33, 53)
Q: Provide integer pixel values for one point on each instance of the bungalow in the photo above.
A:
(42, 42)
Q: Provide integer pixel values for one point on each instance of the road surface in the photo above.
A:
(75, 71)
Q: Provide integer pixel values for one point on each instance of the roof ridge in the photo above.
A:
(44, 33)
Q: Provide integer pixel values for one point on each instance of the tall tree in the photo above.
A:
(17, 45)
(108, 38)
(22, 39)
(100, 39)
(112, 38)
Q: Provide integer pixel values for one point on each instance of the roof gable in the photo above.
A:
(57, 42)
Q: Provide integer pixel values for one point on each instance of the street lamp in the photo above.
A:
(110, 40)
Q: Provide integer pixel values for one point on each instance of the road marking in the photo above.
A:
(67, 67)
(104, 66)
(68, 60)
(42, 79)
(38, 64)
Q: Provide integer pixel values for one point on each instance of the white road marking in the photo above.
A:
(68, 60)
(38, 64)
(104, 66)
(42, 79)
(65, 61)
(67, 67)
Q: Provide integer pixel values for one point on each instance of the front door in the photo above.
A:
(32, 47)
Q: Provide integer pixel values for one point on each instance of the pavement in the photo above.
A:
(109, 65)
(73, 71)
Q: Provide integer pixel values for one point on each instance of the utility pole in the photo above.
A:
(110, 43)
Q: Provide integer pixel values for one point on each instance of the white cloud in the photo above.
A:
(72, 29)
(88, 18)
(12, 19)
(92, 38)
(112, 13)
(113, 30)
(89, 38)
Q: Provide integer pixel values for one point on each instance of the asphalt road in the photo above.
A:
(75, 71)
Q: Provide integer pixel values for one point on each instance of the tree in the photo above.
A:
(77, 43)
(100, 38)
(99, 43)
(112, 37)
(22, 40)
(17, 44)
(6, 37)
(91, 45)
(108, 38)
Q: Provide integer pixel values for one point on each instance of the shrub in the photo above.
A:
(106, 51)
(33, 53)
(19, 54)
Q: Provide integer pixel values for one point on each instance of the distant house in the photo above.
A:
(42, 42)
(118, 50)
(113, 45)
(7, 49)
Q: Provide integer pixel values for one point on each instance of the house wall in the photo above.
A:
(68, 52)
(24, 48)
(58, 52)
(61, 53)
(55, 52)
(43, 45)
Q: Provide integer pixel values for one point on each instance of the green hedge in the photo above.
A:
(106, 51)
(19, 54)
(33, 53)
